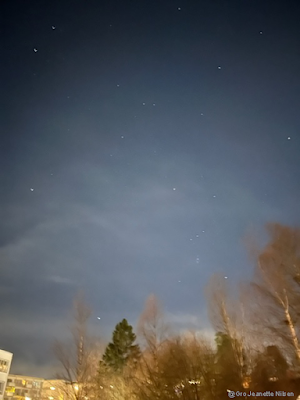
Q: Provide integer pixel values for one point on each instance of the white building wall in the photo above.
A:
(5, 363)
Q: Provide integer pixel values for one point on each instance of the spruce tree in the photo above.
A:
(229, 372)
(122, 348)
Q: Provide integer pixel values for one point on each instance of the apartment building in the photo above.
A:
(5, 363)
(20, 387)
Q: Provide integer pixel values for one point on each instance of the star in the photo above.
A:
(35, 50)
(31, 189)
(289, 138)
(174, 188)
(53, 27)
(179, 8)
(219, 67)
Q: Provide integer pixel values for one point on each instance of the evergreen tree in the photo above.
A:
(270, 370)
(122, 348)
(228, 369)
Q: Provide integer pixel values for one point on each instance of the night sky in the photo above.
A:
(140, 142)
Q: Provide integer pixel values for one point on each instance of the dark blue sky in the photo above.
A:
(141, 141)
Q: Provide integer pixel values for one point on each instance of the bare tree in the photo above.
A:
(77, 357)
(114, 385)
(276, 289)
(152, 328)
(171, 366)
(227, 316)
(153, 334)
(187, 366)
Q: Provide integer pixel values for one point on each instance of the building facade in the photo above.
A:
(20, 387)
(5, 363)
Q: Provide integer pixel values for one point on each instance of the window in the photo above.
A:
(4, 365)
(2, 387)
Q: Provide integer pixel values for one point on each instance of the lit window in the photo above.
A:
(52, 387)
(4, 365)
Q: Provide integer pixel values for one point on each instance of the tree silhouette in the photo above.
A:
(270, 370)
(122, 348)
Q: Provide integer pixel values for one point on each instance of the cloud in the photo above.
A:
(60, 280)
(120, 236)
(184, 319)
